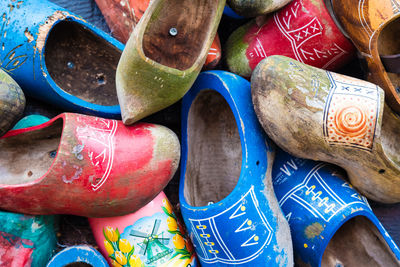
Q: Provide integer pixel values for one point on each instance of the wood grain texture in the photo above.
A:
(373, 26)
(333, 118)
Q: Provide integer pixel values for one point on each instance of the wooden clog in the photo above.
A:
(302, 30)
(26, 241)
(164, 54)
(87, 166)
(59, 58)
(226, 195)
(78, 256)
(330, 222)
(12, 102)
(152, 236)
(374, 27)
(256, 8)
(122, 16)
(331, 117)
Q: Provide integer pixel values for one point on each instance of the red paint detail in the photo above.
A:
(15, 251)
(302, 30)
(135, 176)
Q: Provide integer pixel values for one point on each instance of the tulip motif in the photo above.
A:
(111, 234)
(125, 246)
(120, 257)
(135, 261)
(172, 224)
(109, 247)
(179, 242)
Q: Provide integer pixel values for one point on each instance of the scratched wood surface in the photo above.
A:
(75, 230)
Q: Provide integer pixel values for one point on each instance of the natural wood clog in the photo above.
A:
(12, 102)
(87, 166)
(256, 8)
(164, 54)
(374, 27)
(302, 30)
(122, 16)
(59, 58)
(319, 115)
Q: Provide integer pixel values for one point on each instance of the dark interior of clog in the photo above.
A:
(388, 44)
(358, 243)
(214, 150)
(193, 21)
(82, 63)
(27, 157)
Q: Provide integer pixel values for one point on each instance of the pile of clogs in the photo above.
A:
(276, 155)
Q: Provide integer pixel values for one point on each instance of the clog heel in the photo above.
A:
(320, 115)
(302, 30)
(330, 222)
(58, 57)
(12, 102)
(165, 54)
(374, 26)
(227, 201)
(86, 166)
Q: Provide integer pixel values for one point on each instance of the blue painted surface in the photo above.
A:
(21, 57)
(219, 231)
(229, 12)
(29, 121)
(76, 254)
(312, 194)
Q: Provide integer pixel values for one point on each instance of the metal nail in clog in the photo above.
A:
(58, 57)
(331, 117)
(374, 26)
(165, 54)
(256, 8)
(12, 102)
(87, 166)
(123, 15)
(78, 256)
(226, 194)
(331, 224)
(152, 236)
(26, 240)
(302, 30)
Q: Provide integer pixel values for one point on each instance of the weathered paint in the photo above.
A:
(12, 102)
(145, 86)
(26, 240)
(78, 254)
(123, 15)
(250, 225)
(365, 22)
(25, 28)
(102, 168)
(302, 30)
(256, 8)
(155, 227)
(317, 202)
(370, 158)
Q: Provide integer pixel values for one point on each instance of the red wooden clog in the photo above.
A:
(302, 30)
(87, 166)
(123, 15)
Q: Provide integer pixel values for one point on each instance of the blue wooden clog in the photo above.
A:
(58, 57)
(331, 224)
(226, 195)
(230, 13)
(26, 240)
(78, 254)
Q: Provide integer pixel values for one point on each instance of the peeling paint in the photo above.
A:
(28, 35)
(313, 230)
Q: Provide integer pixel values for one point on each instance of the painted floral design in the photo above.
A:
(166, 233)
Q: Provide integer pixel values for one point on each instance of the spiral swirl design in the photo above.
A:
(351, 121)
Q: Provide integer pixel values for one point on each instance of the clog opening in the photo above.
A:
(28, 156)
(358, 243)
(82, 63)
(178, 31)
(214, 150)
(388, 44)
(78, 264)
